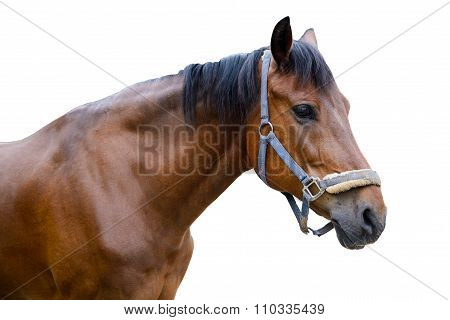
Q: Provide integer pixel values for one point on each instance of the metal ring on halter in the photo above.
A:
(262, 125)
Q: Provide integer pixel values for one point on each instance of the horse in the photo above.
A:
(99, 203)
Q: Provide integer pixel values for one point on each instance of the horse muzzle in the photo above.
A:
(363, 226)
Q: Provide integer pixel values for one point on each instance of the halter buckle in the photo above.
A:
(313, 182)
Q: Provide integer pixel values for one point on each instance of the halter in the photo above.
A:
(313, 187)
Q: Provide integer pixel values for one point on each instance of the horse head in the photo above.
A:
(309, 118)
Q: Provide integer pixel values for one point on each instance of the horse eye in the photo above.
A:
(305, 111)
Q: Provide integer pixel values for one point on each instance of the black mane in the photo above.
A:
(230, 87)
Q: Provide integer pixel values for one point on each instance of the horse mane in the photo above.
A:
(229, 88)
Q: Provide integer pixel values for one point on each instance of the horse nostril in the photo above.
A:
(368, 225)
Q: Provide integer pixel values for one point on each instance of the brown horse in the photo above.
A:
(98, 204)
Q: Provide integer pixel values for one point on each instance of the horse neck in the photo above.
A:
(189, 166)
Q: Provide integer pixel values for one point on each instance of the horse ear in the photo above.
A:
(309, 37)
(281, 41)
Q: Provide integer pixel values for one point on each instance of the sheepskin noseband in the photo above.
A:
(344, 181)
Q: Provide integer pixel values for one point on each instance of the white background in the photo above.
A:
(248, 248)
